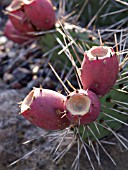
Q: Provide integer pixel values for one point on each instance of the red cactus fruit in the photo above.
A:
(45, 108)
(82, 107)
(11, 33)
(41, 13)
(99, 69)
(18, 17)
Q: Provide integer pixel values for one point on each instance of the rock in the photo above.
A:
(14, 130)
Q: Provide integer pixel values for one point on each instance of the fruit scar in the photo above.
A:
(82, 107)
(99, 69)
(45, 108)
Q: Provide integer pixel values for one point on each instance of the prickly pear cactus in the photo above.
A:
(113, 114)
(67, 43)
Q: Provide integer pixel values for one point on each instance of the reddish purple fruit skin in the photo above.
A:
(21, 22)
(41, 14)
(11, 33)
(44, 110)
(93, 113)
(99, 75)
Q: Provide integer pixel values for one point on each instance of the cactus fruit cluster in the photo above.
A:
(88, 113)
(52, 110)
(30, 16)
(97, 106)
